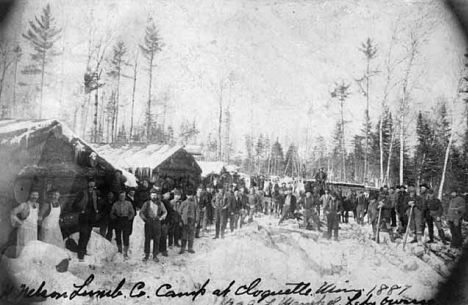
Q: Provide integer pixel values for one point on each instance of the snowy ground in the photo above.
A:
(276, 254)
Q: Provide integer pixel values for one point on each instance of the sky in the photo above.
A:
(279, 59)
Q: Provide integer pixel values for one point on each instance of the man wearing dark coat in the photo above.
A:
(413, 201)
(165, 223)
(332, 210)
(201, 201)
(385, 207)
(86, 203)
(234, 210)
(401, 209)
(435, 210)
(289, 204)
(457, 208)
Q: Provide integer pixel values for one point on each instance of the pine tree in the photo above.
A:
(42, 35)
(151, 46)
(341, 92)
(117, 62)
(291, 161)
(277, 157)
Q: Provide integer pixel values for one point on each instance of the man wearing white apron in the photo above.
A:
(49, 219)
(24, 217)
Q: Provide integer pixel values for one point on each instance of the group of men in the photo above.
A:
(174, 218)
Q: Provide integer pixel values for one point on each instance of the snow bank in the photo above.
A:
(99, 249)
(37, 263)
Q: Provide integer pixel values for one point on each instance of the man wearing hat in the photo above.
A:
(360, 208)
(220, 205)
(153, 212)
(253, 203)
(188, 213)
(434, 210)
(393, 196)
(201, 202)
(289, 204)
(174, 231)
(456, 211)
(423, 188)
(310, 211)
(166, 223)
(385, 207)
(325, 197)
(414, 202)
(332, 212)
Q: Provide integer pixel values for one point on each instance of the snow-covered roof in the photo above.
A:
(13, 132)
(137, 156)
(193, 149)
(215, 167)
(232, 168)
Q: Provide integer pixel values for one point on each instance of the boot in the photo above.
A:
(146, 257)
(190, 246)
(415, 240)
(155, 258)
(177, 243)
(119, 247)
(182, 249)
(125, 251)
(392, 236)
(442, 236)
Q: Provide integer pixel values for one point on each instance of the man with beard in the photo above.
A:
(455, 214)
(435, 209)
(188, 214)
(152, 212)
(174, 231)
(253, 203)
(86, 203)
(209, 207)
(165, 223)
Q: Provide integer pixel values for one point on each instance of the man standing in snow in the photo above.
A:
(122, 214)
(188, 213)
(435, 209)
(332, 212)
(325, 199)
(455, 214)
(361, 207)
(234, 210)
(86, 203)
(152, 212)
(393, 196)
(289, 205)
(165, 223)
(426, 217)
(401, 209)
(201, 202)
(174, 227)
(310, 211)
(220, 208)
(373, 212)
(413, 201)
(253, 202)
(385, 209)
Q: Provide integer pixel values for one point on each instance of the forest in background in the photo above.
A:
(384, 152)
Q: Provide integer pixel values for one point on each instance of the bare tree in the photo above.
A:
(5, 62)
(18, 53)
(132, 113)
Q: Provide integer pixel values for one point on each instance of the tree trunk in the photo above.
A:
(14, 88)
(220, 123)
(447, 154)
(343, 141)
(366, 160)
(42, 85)
(381, 150)
(148, 119)
(117, 104)
(96, 109)
(387, 176)
(402, 146)
(133, 96)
